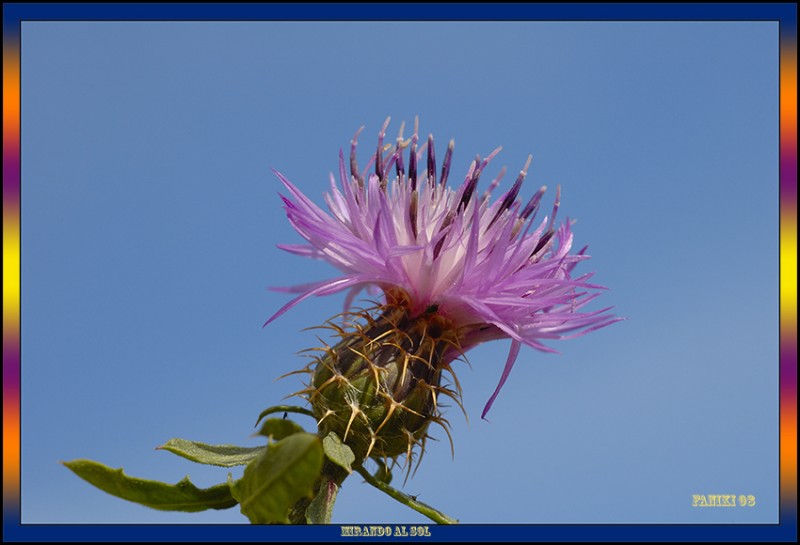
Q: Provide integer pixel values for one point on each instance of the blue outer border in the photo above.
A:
(13, 531)
(784, 13)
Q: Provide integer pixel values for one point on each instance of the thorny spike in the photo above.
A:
(354, 411)
(454, 377)
(434, 398)
(405, 369)
(413, 473)
(353, 163)
(321, 387)
(388, 416)
(304, 393)
(455, 397)
(431, 162)
(448, 156)
(371, 445)
(324, 416)
(445, 425)
(304, 370)
(411, 443)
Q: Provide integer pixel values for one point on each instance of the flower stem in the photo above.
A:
(405, 499)
(320, 509)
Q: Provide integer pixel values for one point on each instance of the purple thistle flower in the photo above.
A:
(489, 268)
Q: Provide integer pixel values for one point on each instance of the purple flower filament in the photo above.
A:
(490, 268)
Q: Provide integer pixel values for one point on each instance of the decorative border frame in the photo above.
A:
(786, 16)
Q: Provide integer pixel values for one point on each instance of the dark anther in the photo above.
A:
(533, 204)
(543, 241)
(468, 191)
(470, 186)
(448, 156)
(431, 162)
(412, 212)
(379, 162)
(379, 153)
(438, 248)
(448, 219)
(412, 163)
(510, 197)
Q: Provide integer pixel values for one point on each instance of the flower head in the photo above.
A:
(489, 269)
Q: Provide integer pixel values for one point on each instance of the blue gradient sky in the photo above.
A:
(150, 219)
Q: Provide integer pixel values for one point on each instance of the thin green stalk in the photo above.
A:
(285, 409)
(436, 516)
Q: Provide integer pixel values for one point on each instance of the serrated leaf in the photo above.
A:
(182, 496)
(279, 477)
(280, 428)
(214, 455)
(337, 452)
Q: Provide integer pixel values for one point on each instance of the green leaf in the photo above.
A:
(280, 428)
(182, 496)
(284, 409)
(279, 477)
(337, 452)
(213, 455)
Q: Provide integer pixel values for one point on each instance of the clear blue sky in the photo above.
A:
(150, 219)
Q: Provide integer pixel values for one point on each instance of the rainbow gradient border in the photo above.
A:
(785, 14)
